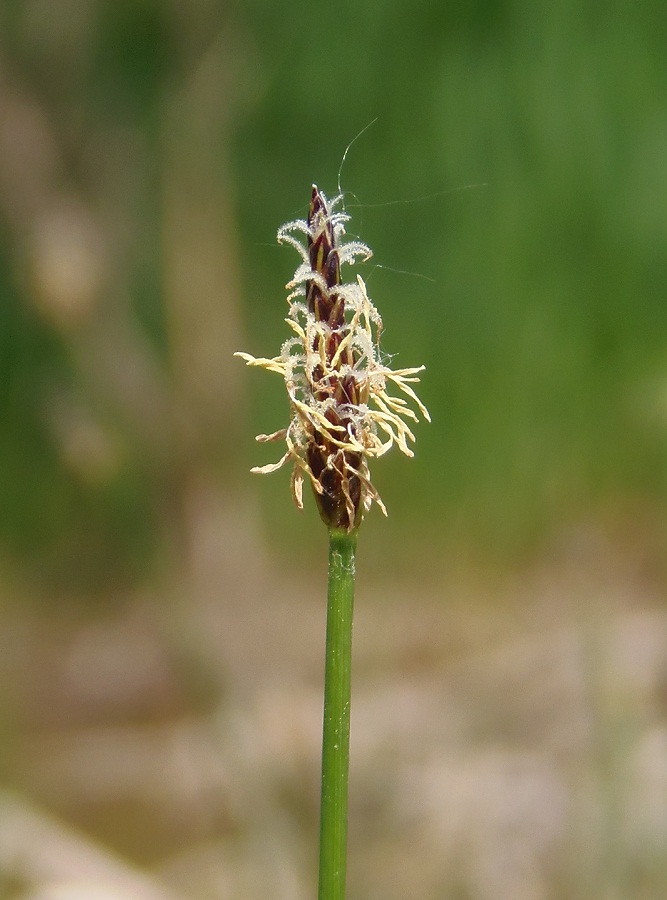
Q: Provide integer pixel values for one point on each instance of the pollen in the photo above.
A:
(346, 405)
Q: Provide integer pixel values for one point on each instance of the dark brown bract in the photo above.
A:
(341, 413)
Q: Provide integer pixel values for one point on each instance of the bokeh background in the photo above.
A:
(162, 619)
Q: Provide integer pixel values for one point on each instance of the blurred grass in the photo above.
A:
(542, 328)
(543, 332)
(148, 153)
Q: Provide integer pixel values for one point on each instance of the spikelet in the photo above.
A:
(341, 412)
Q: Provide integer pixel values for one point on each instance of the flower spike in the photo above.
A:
(341, 413)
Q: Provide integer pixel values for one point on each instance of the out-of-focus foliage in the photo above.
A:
(544, 330)
(513, 189)
(528, 142)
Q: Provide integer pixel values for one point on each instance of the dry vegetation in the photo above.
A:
(504, 745)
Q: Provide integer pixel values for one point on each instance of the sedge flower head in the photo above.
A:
(343, 410)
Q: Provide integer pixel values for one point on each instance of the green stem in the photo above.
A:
(336, 728)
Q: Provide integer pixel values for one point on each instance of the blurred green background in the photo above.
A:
(514, 191)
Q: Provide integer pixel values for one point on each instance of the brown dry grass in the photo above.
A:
(508, 741)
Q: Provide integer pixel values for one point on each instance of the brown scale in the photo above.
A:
(340, 501)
